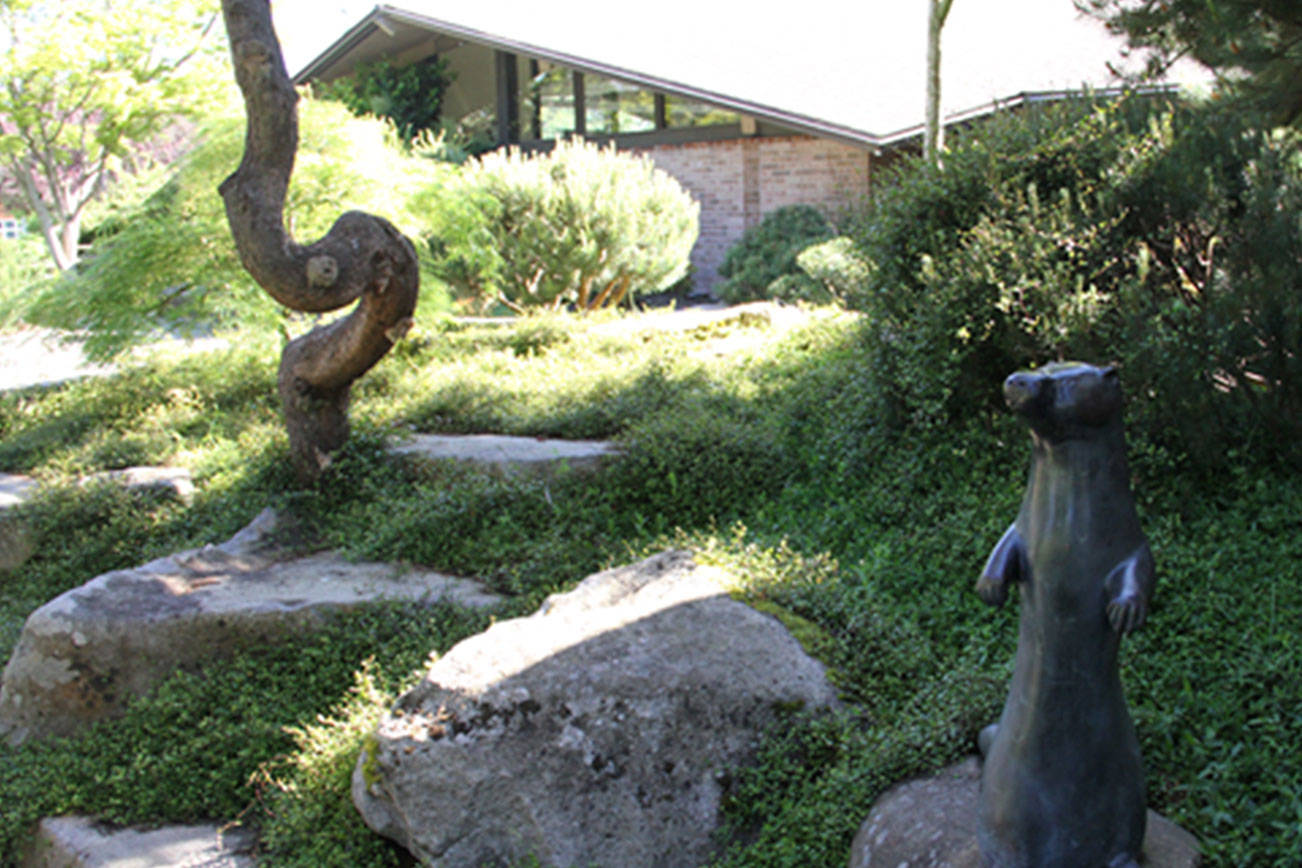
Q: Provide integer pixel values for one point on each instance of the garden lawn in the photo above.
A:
(770, 461)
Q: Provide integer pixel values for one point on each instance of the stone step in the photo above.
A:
(84, 654)
(507, 455)
(16, 543)
(15, 489)
(79, 842)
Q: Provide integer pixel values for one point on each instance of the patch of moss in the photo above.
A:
(816, 641)
(370, 766)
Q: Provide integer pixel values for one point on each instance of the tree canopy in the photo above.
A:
(166, 262)
(1254, 46)
(88, 84)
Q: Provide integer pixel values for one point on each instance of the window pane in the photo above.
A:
(688, 113)
(546, 100)
(615, 107)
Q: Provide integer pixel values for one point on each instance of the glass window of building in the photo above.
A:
(613, 107)
(546, 100)
(689, 113)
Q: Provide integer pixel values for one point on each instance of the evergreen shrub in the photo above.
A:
(411, 96)
(835, 269)
(581, 225)
(755, 267)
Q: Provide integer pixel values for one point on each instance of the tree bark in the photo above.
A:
(53, 229)
(362, 258)
(933, 134)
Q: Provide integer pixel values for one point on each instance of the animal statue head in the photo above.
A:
(1065, 400)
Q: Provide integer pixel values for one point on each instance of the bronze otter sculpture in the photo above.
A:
(1062, 785)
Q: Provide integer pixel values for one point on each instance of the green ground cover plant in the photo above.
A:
(853, 473)
(864, 539)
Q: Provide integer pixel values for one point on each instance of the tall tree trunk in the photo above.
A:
(362, 258)
(933, 134)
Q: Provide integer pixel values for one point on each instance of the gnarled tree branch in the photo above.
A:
(361, 257)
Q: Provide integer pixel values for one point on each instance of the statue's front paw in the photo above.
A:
(1127, 613)
(992, 590)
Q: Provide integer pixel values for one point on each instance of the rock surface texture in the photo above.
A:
(932, 823)
(77, 842)
(597, 731)
(509, 456)
(84, 654)
(16, 544)
(174, 482)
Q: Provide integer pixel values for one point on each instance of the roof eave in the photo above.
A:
(377, 18)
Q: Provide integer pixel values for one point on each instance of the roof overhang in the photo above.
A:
(1025, 99)
(388, 30)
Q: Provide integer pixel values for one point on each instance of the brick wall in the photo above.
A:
(738, 181)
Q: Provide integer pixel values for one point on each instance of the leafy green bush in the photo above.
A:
(1159, 236)
(581, 225)
(767, 253)
(169, 264)
(836, 270)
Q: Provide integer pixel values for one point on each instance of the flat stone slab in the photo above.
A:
(172, 481)
(79, 842)
(932, 823)
(509, 455)
(84, 654)
(16, 543)
(14, 489)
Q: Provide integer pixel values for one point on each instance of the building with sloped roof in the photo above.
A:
(749, 111)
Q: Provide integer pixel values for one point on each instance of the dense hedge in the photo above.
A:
(1159, 236)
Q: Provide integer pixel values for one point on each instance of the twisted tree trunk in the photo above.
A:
(361, 257)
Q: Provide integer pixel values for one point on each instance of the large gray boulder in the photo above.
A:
(597, 731)
(84, 654)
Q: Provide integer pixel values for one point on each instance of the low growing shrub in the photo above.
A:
(581, 225)
(767, 254)
(836, 269)
(24, 268)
